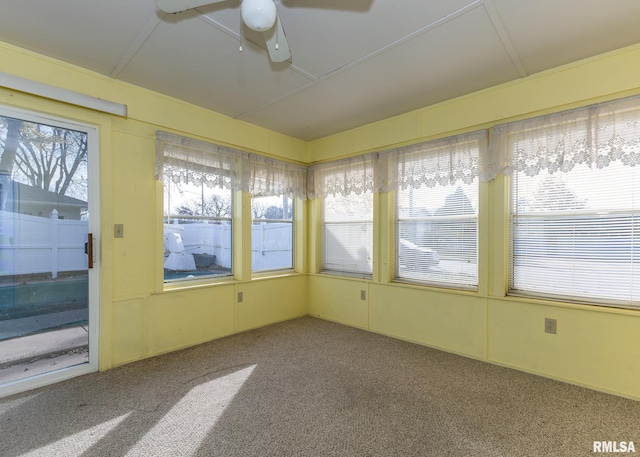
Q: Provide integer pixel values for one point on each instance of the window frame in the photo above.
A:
(451, 161)
(323, 228)
(342, 177)
(397, 240)
(579, 218)
(594, 136)
(231, 220)
(244, 174)
(292, 221)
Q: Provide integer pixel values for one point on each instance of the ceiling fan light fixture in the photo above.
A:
(259, 15)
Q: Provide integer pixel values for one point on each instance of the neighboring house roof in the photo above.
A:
(34, 195)
(37, 195)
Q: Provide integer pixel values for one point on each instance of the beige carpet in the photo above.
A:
(312, 388)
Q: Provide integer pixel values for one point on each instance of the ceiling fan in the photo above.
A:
(259, 15)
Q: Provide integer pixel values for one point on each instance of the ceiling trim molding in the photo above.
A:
(498, 25)
(137, 44)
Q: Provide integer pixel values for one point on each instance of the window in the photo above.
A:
(199, 181)
(346, 188)
(272, 233)
(197, 231)
(575, 204)
(436, 235)
(348, 233)
(274, 186)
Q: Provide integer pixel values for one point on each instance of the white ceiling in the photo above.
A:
(354, 61)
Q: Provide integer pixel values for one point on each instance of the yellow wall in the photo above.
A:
(595, 346)
(338, 299)
(137, 318)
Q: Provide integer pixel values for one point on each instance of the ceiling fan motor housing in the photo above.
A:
(259, 15)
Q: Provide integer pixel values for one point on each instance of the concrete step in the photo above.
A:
(34, 346)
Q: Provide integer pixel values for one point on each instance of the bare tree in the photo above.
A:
(11, 144)
(217, 206)
(43, 156)
(213, 206)
(258, 209)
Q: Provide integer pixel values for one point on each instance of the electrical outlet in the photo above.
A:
(118, 230)
(550, 325)
(363, 295)
(240, 297)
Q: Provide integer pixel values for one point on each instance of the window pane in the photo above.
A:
(348, 233)
(436, 238)
(575, 233)
(197, 231)
(44, 224)
(272, 233)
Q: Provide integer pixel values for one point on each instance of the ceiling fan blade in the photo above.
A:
(175, 6)
(277, 43)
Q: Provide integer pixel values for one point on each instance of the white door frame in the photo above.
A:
(93, 172)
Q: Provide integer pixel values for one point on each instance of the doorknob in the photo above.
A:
(88, 249)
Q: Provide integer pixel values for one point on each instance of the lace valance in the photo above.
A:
(440, 162)
(274, 177)
(595, 135)
(342, 177)
(185, 160)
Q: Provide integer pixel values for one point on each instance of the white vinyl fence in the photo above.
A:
(271, 244)
(32, 244)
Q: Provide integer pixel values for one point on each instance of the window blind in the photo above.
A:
(348, 233)
(346, 188)
(436, 234)
(576, 235)
(575, 202)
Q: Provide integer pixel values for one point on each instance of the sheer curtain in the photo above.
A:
(342, 177)
(596, 135)
(186, 160)
(270, 177)
(440, 162)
